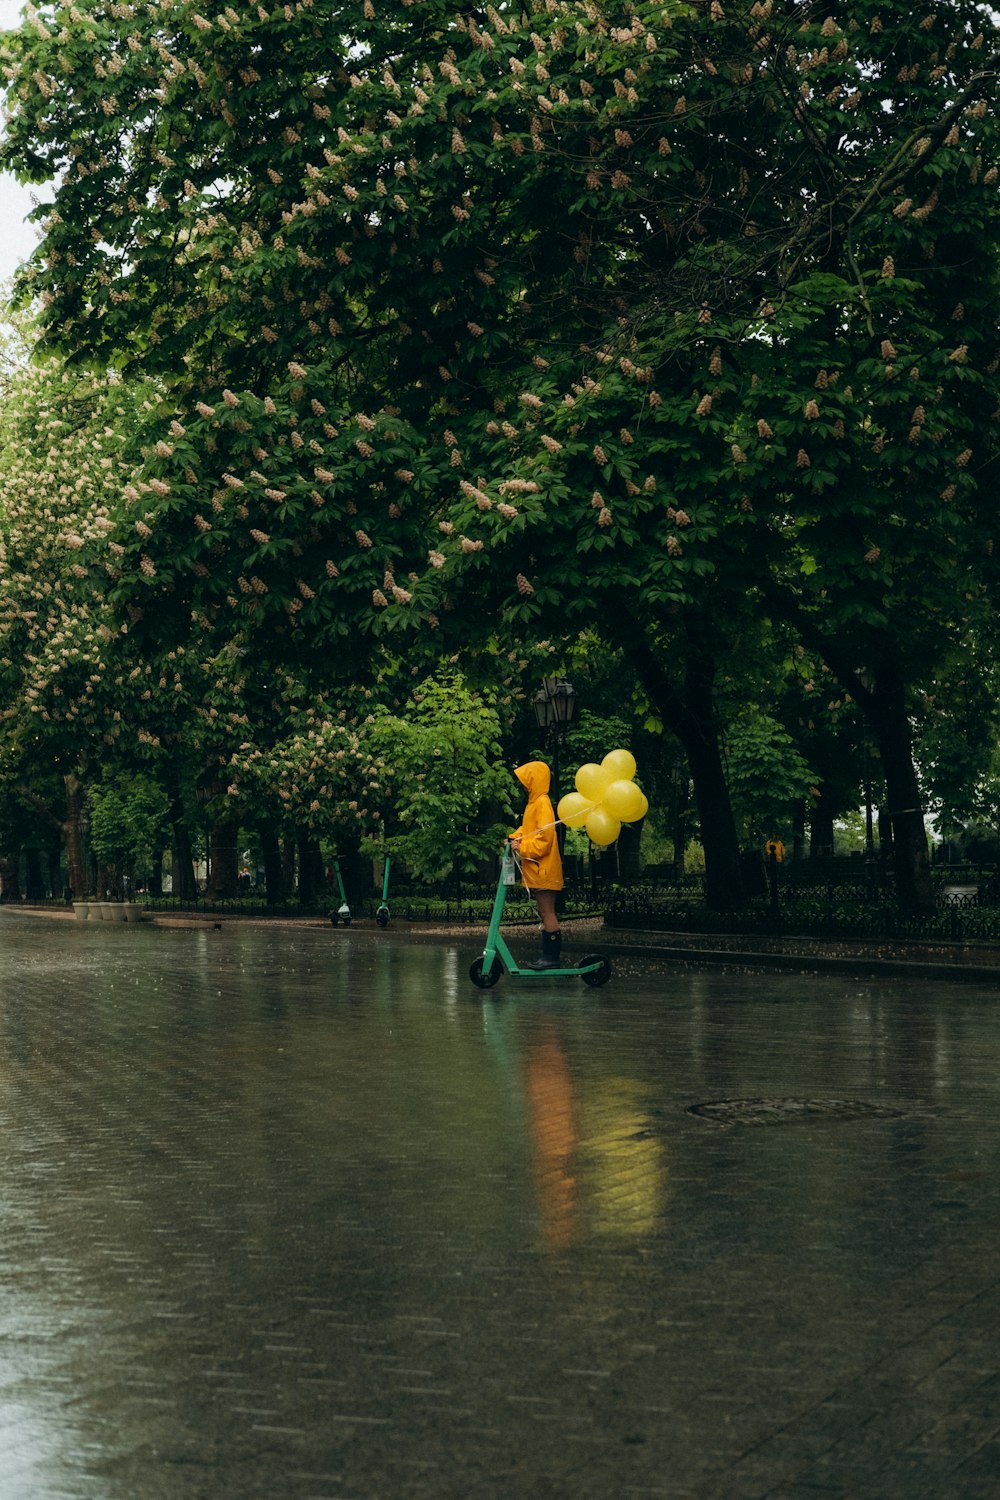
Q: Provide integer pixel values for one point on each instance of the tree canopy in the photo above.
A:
(654, 319)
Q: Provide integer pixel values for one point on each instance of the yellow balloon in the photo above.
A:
(602, 828)
(619, 765)
(591, 780)
(624, 800)
(573, 809)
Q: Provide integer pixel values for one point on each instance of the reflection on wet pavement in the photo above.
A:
(297, 1212)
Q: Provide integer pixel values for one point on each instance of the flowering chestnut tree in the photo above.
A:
(661, 317)
(60, 476)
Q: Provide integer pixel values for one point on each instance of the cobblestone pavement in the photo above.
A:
(301, 1214)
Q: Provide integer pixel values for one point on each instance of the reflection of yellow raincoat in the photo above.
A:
(541, 867)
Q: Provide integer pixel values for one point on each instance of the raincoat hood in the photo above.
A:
(534, 776)
(541, 866)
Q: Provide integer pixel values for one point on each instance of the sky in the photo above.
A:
(17, 239)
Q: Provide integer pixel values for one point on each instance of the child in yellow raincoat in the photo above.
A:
(541, 866)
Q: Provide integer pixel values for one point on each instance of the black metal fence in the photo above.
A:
(442, 903)
(966, 910)
(831, 899)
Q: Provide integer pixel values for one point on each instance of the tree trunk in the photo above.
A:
(182, 882)
(629, 851)
(910, 854)
(10, 877)
(274, 874)
(76, 851)
(880, 689)
(352, 871)
(310, 870)
(57, 886)
(224, 864)
(33, 879)
(820, 831)
(723, 880)
(690, 713)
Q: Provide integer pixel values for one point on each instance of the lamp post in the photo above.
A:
(555, 705)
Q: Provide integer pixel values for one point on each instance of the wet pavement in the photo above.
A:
(298, 1213)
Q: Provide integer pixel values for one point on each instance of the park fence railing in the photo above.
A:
(466, 903)
(833, 907)
(835, 899)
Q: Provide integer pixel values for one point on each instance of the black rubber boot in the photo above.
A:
(551, 952)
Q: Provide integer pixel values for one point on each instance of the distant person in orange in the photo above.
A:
(541, 866)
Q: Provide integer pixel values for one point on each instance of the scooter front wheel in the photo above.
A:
(382, 916)
(598, 975)
(482, 978)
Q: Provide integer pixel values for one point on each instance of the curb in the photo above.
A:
(809, 963)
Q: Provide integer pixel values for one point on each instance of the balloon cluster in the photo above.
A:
(605, 798)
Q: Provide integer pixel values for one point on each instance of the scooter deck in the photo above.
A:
(573, 973)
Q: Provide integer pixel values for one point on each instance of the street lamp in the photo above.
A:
(554, 705)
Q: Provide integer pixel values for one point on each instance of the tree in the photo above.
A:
(60, 462)
(767, 776)
(450, 787)
(668, 319)
(127, 824)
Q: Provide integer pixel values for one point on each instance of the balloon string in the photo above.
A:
(516, 856)
(542, 828)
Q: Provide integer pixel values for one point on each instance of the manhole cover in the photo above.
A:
(780, 1111)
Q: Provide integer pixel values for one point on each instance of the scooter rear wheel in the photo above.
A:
(382, 917)
(485, 979)
(595, 976)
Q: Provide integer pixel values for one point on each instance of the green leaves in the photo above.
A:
(448, 783)
(688, 306)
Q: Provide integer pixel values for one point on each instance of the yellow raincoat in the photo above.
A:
(541, 866)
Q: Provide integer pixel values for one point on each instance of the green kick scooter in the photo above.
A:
(343, 912)
(382, 914)
(496, 957)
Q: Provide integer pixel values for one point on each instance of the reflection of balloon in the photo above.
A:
(602, 827)
(624, 800)
(573, 809)
(591, 780)
(618, 765)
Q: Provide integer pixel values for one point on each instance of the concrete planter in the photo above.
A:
(114, 911)
(81, 910)
(133, 913)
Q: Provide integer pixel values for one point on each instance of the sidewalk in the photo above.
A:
(961, 962)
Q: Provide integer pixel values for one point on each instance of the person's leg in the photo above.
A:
(546, 903)
(550, 957)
